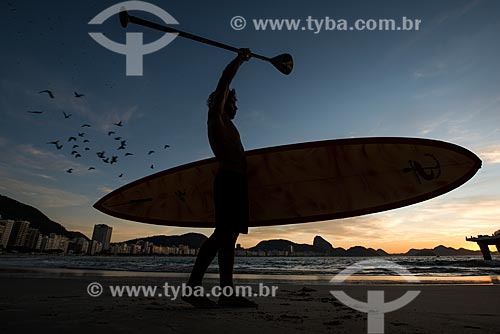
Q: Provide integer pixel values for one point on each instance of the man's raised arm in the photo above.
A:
(222, 90)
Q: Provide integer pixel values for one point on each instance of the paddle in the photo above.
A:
(283, 62)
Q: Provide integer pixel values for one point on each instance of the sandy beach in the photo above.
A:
(59, 302)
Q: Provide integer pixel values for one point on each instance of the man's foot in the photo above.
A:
(236, 301)
(199, 302)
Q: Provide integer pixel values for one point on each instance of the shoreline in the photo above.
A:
(309, 279)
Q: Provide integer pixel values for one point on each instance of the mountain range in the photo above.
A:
(319, 246)
(12, 209)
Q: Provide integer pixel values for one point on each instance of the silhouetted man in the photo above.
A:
(230, 190)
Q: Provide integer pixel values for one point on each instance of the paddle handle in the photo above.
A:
(156, 26)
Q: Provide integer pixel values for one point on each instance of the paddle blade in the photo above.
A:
(123, 17)
(284, 63)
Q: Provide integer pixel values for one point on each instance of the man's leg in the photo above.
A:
(226, 258)
(206, 254)
(226, 263)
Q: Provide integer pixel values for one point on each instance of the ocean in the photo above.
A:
(460, 267)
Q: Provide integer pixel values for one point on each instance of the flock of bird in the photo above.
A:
(80, 141)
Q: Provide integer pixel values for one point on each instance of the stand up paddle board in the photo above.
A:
(303, 182)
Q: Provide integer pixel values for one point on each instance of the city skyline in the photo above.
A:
(440, 82)
(17, 235)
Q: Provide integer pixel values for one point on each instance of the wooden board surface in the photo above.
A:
(303, 182)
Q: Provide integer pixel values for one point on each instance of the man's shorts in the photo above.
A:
(231, 201)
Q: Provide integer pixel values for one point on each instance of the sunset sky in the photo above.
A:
(440, 82)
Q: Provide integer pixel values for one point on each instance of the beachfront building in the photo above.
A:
(18, 234)
(156, 249)
(81, 246)
(55, 243)
(32, 237)
(121, 248)
(102, 233)
(95, 247)
(170, 250)
(148, 248)
(7, 226)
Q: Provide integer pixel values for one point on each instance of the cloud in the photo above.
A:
(441, 18)
(106, 120)
(435, 124)
(43, 176)
(29, 156)
(105, 190)
(41, 196)
(433, 70)
(444, 220)
(456, 13)
(490, 154)
(100, 113)
(256, 118)
(488, 104)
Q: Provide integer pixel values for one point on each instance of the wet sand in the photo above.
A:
(34, 301)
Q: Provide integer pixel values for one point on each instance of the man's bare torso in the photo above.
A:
(225, 142)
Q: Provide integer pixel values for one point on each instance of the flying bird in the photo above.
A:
(152, 166)
(86, 141)
(75, 146)
(85, 126)
(78, 95)
(66, 115)
(166, 146)
(71, 138)
(106, 160)
(35, 112)
(118, 138)
(48, 92)
(101, 154)
(118, 124)
(78, 155)
(74, 152)
(91, 168)
(128, 154)
(70, 170)
(114, 159)
(123, 144)
(120, 175)
(58, 146)
(111, 133)
(87, 149)
(151, 152)
(81, 134)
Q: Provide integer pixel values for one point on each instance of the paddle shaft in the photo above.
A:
(156, 26)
